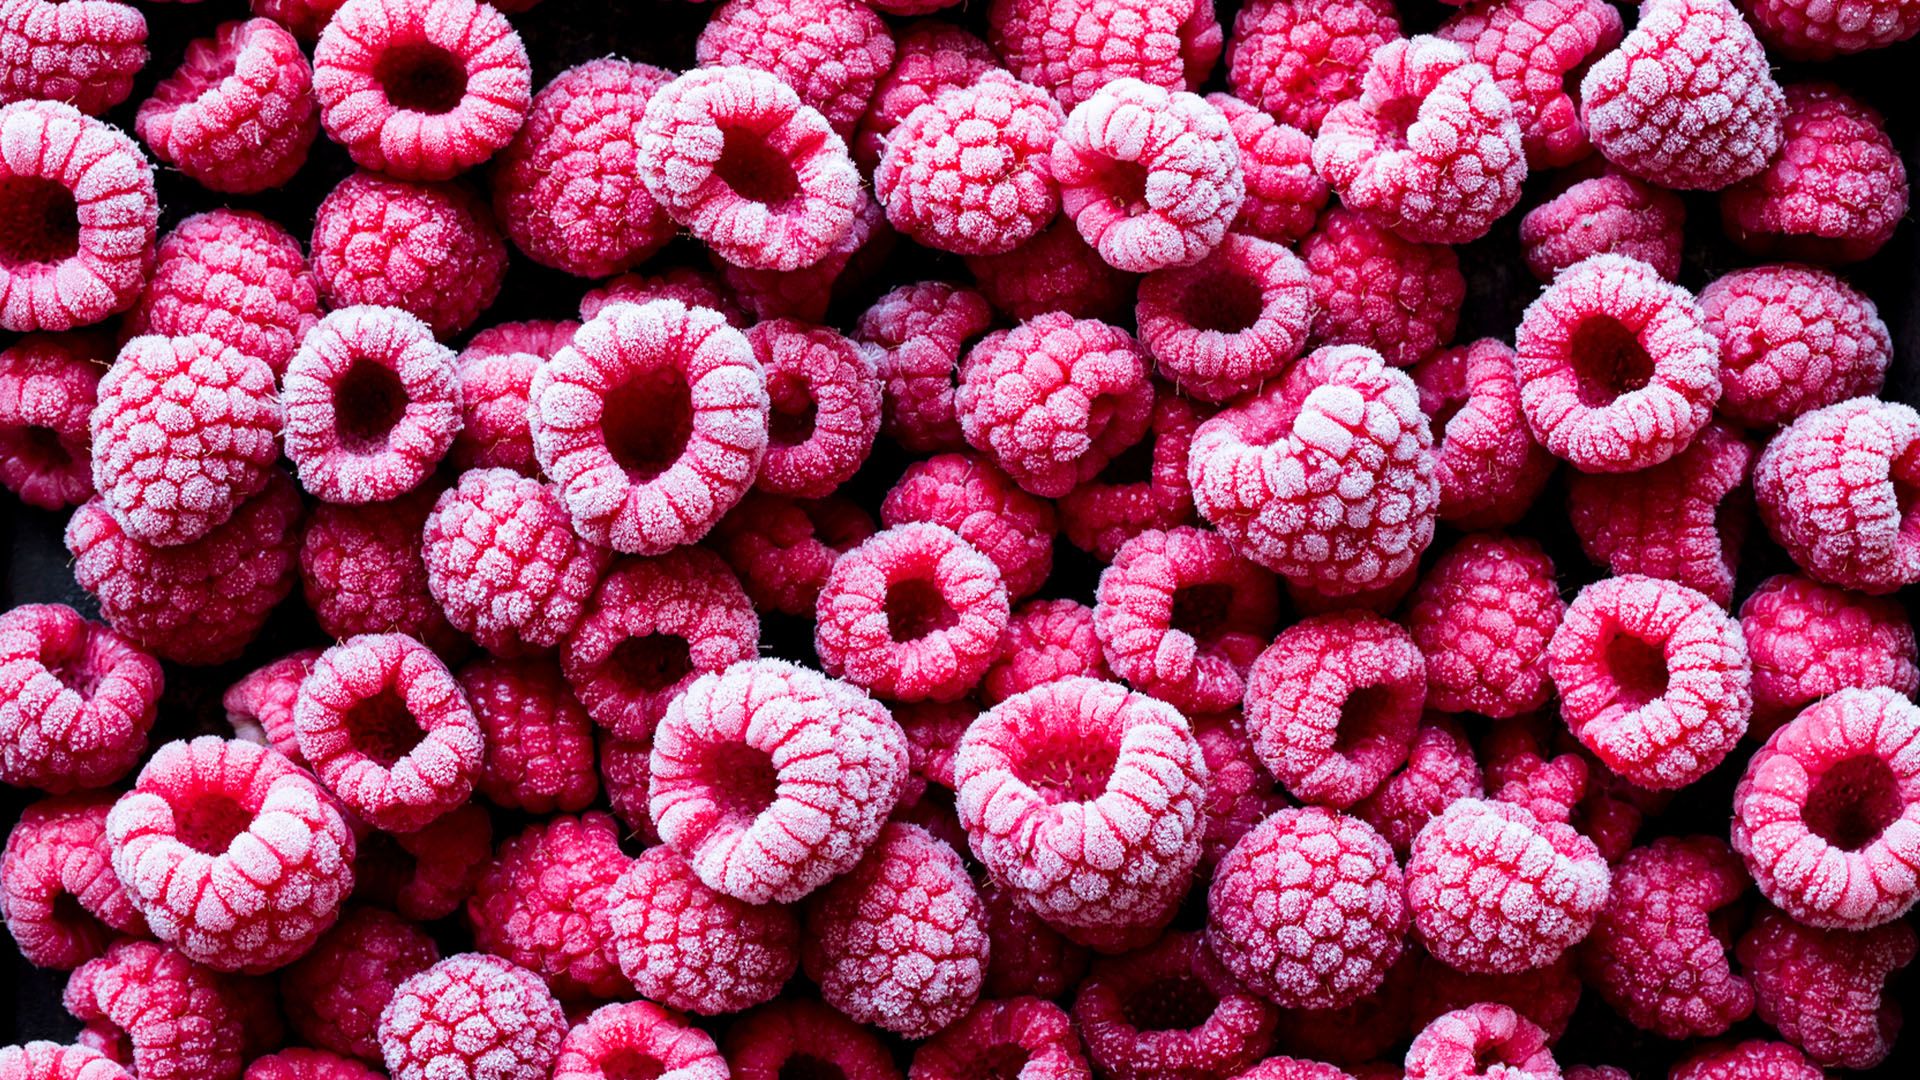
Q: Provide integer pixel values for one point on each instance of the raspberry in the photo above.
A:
(1087, 801)
(387, 729)
(41, 1060)
(1830, 488)
(689, 947)
(541, 338)
(782, 549)
(472, 1015)
(735, 156)
(692, 287)
(795, 1034)
(47, 390)
(539, 741)
(1371, 1027)
(1144, 487)
(1617, 370)
(1823, 989)
(295, 1063)
(1489, 467)
(652, 424)
(638, 1036)
(1054, 271)
(1807, 31)
(1044, 640)
(1808, 640)
(1610, 214)
(76, 700)
(429, 249)
(1170, 1010)
(1824, 814)
(966, 493)
(567, 188)
(1150, 178)
(916, 334)
(1033, 1035)
(1307, 909)
(544, 904)
(1835, 190)
(185, 431)
(1373, 288)
(1440, 768)
(1754, 1059)
(931, 57)
(426, 874)
(362, 573)
(234, 855)
(1792, 339)
(234, 276)
(1287, 1068)
(200, 603)
(1230, 322)
(334, 994)
(1536, 51)
(85, 54)
(825, 407)
(1482, 616)
(159, 1014)
(306, 18)
(1077, 48)
(914, 613)
(933, 730)
(807, 293)
(80, 222)
(420, 89)
(1545, 997)
(1686, 100)
(1025, 955)
(1481, 1042)
(771, 779)
(238, 115)
(1284, 194)
(1532, 763)
(1296, 59)
(58, 893)
(833, 53)
(494, 430)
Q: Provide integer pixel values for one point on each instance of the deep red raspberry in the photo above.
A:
(58, 893)
(334, 994)
(306, 18)
(1144, 487)
(638, 1037)
(1230, 322)
(428, 873)
(86, 54)
(1288, 1068)
(474, 1015)
(494, 430)
(933, 730)
(1754, 1059)
(1170, 1010)
(429, 249)
(1802, 30)
(1296, 60)
(795, 1034)
(782, 549)
(966, 493)
(1823, 989)
(1808, 640)
(544, 901)
(1545, 997)
(916, 335)
(1055, 271)
(1373, 1026)
(1610, 214)
(691, 286)
(1533, 763)
(1597, 1072)
(623, 773)
(833, 53)
(296, 1063)
(159, 1014)
(238, 114)
(1481, 1042)
(362, 573)
(47, 388)
(1284, 194)
(235, 276)
(41, 1060)
(1026, 1035)
(1792, 339)
(1482, 616)
(1833, 193)
(1829, 488)
(1440, 768)
(1489, 467)
(1372, 288)
(1025, 955)
(824, 396)
(1075, 49)
(1537, 50)
(932, 56)
(1044, 640)
(689, 947)
(539, 741)
(76, 700)
(807, 293)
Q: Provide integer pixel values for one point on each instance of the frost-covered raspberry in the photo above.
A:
(1230, 322)
(1482, 617)
(913, 613)
(1151, 178)
(1610, 214)
(1807, 31)
(1826, 814)
(1044, 640)
(1687, 99)
(810, 291)
(1035, 1037)
(652, 424)
(42, 1060)
(623, 765)
(1545, 996)
(690, 285)
(1754, 1059)
(234, 855)
(199, 603)
(917, 334)
(1077, 48)
(387, 729)
(966, 493)
(425, 874)
(299, 1063)
(782, 549)
(1054, 271)
(429, 249)
(1144, 487)
(1823, 989)
(931, 57)
(420, 89)
(76, 700)
(771, 779)
(1296, 59)
(736, 157)
(58, 893)
(1808, 640)
(1489, 467)
(933, 730)
(1440, 768)
(543, 903)
(472, 1015)
(567, 188)
(85, 54)
(1833, 193)
(1292, 1068)
(833, 53)
(238, 114)
(81, 216)
(1307, 909)
(1373, 288)
(1170, 1010)
(638, 1037)
(540, 338)
(1284, 194)
(1617, 370)
(824, 397)
(234, 276)
(1792, 339)
(1087, 800)
(306, 18)
(1831, 489)
(159, 1014)
(1532, 763)
(361, 572)
(539, 741)
(795, 1034)
(47, 388)
(494, 430)
(1481, 1042)
(690, 947)
(1536, 51)
(333, 995)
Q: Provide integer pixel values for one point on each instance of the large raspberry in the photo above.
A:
(1823, 989)
(1831, 488)
(1055, 271)
(472, 1015)
(334, 994)
(832, 52)
(1144, 487)
(1490, 468)
(1170, 1010)
(47, 386)
(824, 407)
(1610, 214)
(361, 572)
(931, 56)
(238, 115)
(1230, 322)
(797, 1034)
(76, 700)
(58, 893)
(1077, 47)
(544, 904)
(916, 334)
(1373, 288)
(1537, 50)
(234, 276)
(429, 249)
(1284, 194)
(86, 54)
(967, 494)
(539, 741)
(690, 947)
(1808, 640)
(1035, 1033)
(1792, 339)
(1440, 768)
(1296, 59)
(161, 1015)
(1481, 1042)
(638, 1037)
(1482, 616)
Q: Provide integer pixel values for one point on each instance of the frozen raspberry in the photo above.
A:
(1170, 1010)
(1833, 193)
(1296, 59)
(1054, 271)
(1684, 519)
(1087, 801)
(429, 249)
(334, 994)
(1230, 322)
(541, 338)
(1597, 1072)
(362, 573)
(296, 1063)
(1026, 1036)
(933, 730)
(1144, 487)
(76, 243)
(472, 1015)
(47, 392)
(238, 114)
(794, 1035)
(623, 765)
(1482, 616)
(638, 1038)
(1754, 1059)
(58, 893)
(1545, 997)
(1025, 955)
(809, 292)
(1792, 339)
(1481, 1042)
(494, 429)
(567, 188)
(1832, 490)
(1489, 467)
(1808, 640)
(306, 18)
(41, 1060)
(1440, 768)
(85, 54)
(782, 549)
(689, 285)
(76, 700)
(1307, 909)
(1537, 50)
(1371, 1027)
(1822, 989)
(1077, 48)
(539, 741)
(236, 277)
(1284, 194)
(825, 407)
(1610, 214)
(966, 493)
(1373, 288)
(1044, 640)
(428, 873)
(1617, 370)
(833, 53)
(1686, 100)
(159, 1014)
(1807, 31)
(916, 334)
(1289, 1068)
(544, 902)
(771, 779)
(931, 57)
(1534, 764)
(689, 947)
(200, 603)
(420, 89)
(652, 424)
(1150, 178)
(914, 613)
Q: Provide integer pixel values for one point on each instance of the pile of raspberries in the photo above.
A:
(1009, 575)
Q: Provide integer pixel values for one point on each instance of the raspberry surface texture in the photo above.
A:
(429, 249)
(1054, 271)
(41, 1060)
(1371, 287)
(1535, 50)
(824, 407)
(86, 54)
(1808, 640)
(1036, 1033)
(159, 1014)
(1077, 48)
(1823, 989)
(1284, 194)
(538, 738)
(47, 392)
(1482, 616)
(638, 1036)
(236, 277)
(794, 1033)
(544, 904)
(426, 874)
(1170, 1009)
(1792, 339)
(1481, 1042)
(1230, 322)
(916, 334)
(1441, 767)
(690, 947)
(239, 114)
(1610, 214)
(832, 52)
(1829, 488)
(76, 700)
(1144, 488)
(1297, 60)
(62, 903)
(472, 1014)
(1489, 466)
(362, 573)
(930, 56)
(1816, 32)
(967, 494)
(333, 995)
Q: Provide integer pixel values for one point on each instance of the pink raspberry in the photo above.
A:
(1545, 997)
(1617, 370)
(295, 1063)
(494, 430)
(1044, 640)
(966, 493)
(913, 613)
(1808, 640)
(916, 334)
(795, 1034)
(1035, 1033)
(735, 156)
(1373, 288)
(1482, 616)
(58, 893)
(833, 53)
(1489, 467)
(1481, 1042)
(234, 276)
(825, 407)
(1077, 48)
(689, 285)
(1823, 989)
(1297, 59)
(159, 1014)
(186, 430)
(539, 741)
(638, 1037)
(782, 549)
(47, 392)
(362, 573)
(544, 904)
(1054, 271)
(41, 1060)
(1440, 768)
(387, 729)
(1284, 194)
(1144, 487)
(200, 603)
(1835, 190)
(540, 338)
(1533, 763)
(334, 994)
(1686, 100)
(1170, 1010)
(810, 291)
(1025, 955)
(428, 873)
(1832, 490)
(1086, 800)
(1824, 815)
(1792, 339)
(1610, 214)
(472, 1015)
(1307, 909)
(429, 249)
(771, 779)
(86, 54)
(931, 56)
(420, 89)
(652, 424)
(1151, 178)
(1536, 51)
(567, 188)
(81, 214)
(623, 767)
(689, 947)
(1754, 1059)
(1230, 322)
(234, 855)
(76, 700)
(238, 114)
(1806, 31)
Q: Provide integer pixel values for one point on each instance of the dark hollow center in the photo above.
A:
(1854, 802)
(652, 663)
(422, 78)
(368, 405)
(1608, 361)
(755, 170)
(383, 728)
(647, 421)
(39, 221)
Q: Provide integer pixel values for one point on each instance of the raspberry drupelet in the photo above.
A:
(652, 423)
(86, 54)
(362, 573)
(76, 700)
(472, 1014)
(833, 53)
(1609, 214)
(931, 56)
(543, 903)
(47, 392)
(1823, 989)
(689, 947)
(1373, 288)
(429, 249)
(298, 1063)
(1481, 1042)
(638, 1036)
(1482, 616)
(1054, 271)
(1076, 48)
(1806, 31)
(1170, 1010)
(1536, 51)
(1028, 1035)
(135, 1003)
(1297, 59)
(420, 89)
(1284, 194)
(1617, 369)
(1546, 996)
(42, 1060)
(428, 873)
(916, 335)
(538, 739)
(81, 218)
(1754, 1059)
(1532, 763)
(238, 115)
(807, 293)
(796, 1033)
(824, 407)
(1230, 322)
(1832, 488)
(782, 549)
(1808, 640)
(234, 276)
(1044, 640)
(333, 995)
(1792, 339)
(966, 493)
(58, 893)
(1144, 487)
(1440, 768)
(1489, 467)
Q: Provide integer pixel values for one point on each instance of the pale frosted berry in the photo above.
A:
(782, 549)
(234, 276)
(533, 337)
(930, 56)
(425, 874)
(1077, 48)
(796, 1033)
(1373, 288)
(1490, 468)
(1230, 322)
(58, 893)
(238, 114)
(543, 903)
(691, 286)
(494, 430)
(638, 1037)
(1824, 989)
(159, 1014)
(1440, 768)
(1284, 194)
(47, 388)
(1481, 1042)
(472, 1015)
(1144, 487)
(86, 54)
(539, 741)
(1610, 214)
(42, 1060)
(1296, 59)
(807, 293)
(1808, 31)
(1044, 640)
(429, 249)
(1545, 996)
(1792, 339)
(299, 1063)
(966, 493)
(361, 572)
(1482, 616)
(916, 334)
(1035, 1033)
(76, 700)
(689, 947)
(1170, 1010)
(333, 995)
(1054, 271)
(1831, 488)
(1833, 193)
(832, 52)
(1754, 1059)
(824, 401)
(1536, 51)
(1808, 640)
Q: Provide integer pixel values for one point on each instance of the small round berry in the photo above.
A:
(689, 947)
(1610, 214)
(691, 286)
(1144, 487)
(1284, 194)
(797, 1034)
(429, 249)
(472, 1015)
(1044, 640)
(931, 56)
(1036, 1034)
(916, 335)
(86, 54)
(809, 292)
(236, 277)
(782, 549)
(333, 995)
(1230, 322)
(1835, 190)
(136, 1002)
(1808, 640)
(1054, 271)
(238, 114)
(1297, 59)
(58, 893)
(1537, 50)
(824, 399)
(1792, 339)
(1489, 467)
(1808, 31)
(1823, 989)
(966, 493)
(298, 1063)
(1170, 1010)
(1440, 768)
(1373, 288)
(832, 52)
(76, 700)
(1077, 48)
(1832, 490)
(1481, 1042)
(428, 873)
(41, 1060)
(544, 904)
(361, 572)
(539, 741)
(638, 1038)
(1482, 616)
(47, 391)
(494, 430)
